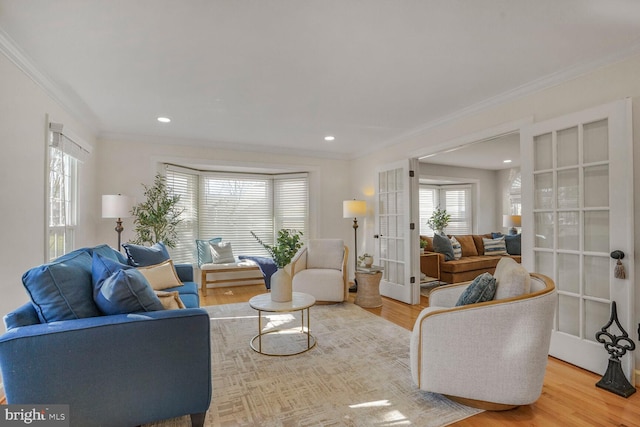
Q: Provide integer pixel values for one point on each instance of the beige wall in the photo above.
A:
(23, 111)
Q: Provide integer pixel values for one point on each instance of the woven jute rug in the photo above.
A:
(357, 374)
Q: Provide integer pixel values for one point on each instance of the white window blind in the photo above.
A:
(184, 184)
(64, 155)
(427, 204)
(230, 206)
(291, 202)
(456, 199)
(458, 204)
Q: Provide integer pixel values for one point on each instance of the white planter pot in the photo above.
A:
(281, 287)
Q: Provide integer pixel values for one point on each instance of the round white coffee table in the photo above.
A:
(300, 302)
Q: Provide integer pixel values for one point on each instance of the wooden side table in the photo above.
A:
(368, 295)
(430, 266)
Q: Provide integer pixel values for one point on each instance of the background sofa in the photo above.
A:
(113, 370)
(473, 261)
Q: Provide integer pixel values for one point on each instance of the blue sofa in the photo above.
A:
(112, 370)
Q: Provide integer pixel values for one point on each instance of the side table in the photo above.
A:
(368, 295)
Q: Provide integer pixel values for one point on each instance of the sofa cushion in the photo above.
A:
(161, 276)
(512, 279)
(121, 289)
(204, 250)
(325, 253)
(61, 290)
(457, 248)
(495, 246)
(470, 263)
(482, 289)
(142, 256)
(221, 252)
(442, 244)
(468, 245)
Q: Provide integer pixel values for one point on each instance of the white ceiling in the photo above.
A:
(279, 75)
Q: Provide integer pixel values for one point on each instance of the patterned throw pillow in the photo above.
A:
(495, 246)
(457, 248)
(482, 289)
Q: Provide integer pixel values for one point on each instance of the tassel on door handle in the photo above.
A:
(618, 272)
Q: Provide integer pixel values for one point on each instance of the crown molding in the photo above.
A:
(546, 82)
(15, 54)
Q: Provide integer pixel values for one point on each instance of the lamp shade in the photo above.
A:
(511, 221)
(354, 208)
(117, 206)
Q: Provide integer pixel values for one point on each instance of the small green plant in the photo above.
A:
(363, 256)
(157, 217)
(423, 244)
(287, 244)
(439, 220)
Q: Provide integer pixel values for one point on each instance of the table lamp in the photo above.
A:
(511, 222)
(117, 206)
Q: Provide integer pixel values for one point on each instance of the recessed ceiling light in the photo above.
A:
(506, 161)
(329, 138)
(164, 119)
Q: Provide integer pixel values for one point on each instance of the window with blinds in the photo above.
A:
(232, 205)
(456, 199)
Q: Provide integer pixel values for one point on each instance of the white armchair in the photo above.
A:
(491, 355)
(320, 269)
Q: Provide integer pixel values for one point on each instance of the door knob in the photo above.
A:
(617, 255)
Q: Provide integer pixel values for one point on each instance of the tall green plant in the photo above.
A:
(439, 220)
(287, 244)
(157, 217)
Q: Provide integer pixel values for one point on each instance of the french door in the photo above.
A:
(577, 178)
(397, 248)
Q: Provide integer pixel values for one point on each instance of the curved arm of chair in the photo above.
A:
(448, 295)
(494, 351)
(345, 273)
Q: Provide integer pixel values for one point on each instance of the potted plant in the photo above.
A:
(439, 220)
(423, 245)
(287, 244)
(158, 216)
(366, 260)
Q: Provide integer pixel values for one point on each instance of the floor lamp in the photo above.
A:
(354, 209)
(117, 206)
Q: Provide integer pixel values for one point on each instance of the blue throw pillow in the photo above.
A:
(442, 244)
(121, 289)
(514, 244)
(109, 252)
(61, 290)
(204, 250)
(144, 256)
(483, 288)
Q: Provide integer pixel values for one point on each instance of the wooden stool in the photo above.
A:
(368, 295)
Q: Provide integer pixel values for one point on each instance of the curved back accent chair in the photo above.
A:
(319, 268)
(490, 355)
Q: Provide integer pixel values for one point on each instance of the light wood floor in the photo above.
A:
(569, 395)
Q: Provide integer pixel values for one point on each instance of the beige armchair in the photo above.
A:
(320, 269)
(490, 355)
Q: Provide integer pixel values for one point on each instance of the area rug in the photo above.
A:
(357, 375)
